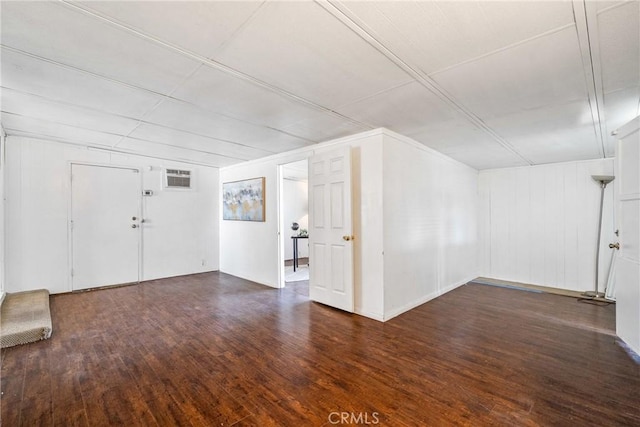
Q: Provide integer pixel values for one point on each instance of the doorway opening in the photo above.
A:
(294, 225)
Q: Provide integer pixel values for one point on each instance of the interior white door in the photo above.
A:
(628, 263)
(330, 229)
(105, 226)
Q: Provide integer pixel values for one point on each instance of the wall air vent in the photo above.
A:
(177, 178)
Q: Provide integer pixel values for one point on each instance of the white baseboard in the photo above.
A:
(398, 311)
(250, 279)
(375, 316)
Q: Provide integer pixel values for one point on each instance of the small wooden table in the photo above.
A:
(295, 250)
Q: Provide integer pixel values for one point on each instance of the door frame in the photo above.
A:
(280, 215)
(70, 215)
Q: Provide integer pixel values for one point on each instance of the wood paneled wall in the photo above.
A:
(180, 235)
(539, 224)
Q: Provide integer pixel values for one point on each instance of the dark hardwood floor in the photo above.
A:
(215, 350)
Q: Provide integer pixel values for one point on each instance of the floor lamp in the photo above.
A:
(603, 180)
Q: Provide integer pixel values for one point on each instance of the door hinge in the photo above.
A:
(71, 224)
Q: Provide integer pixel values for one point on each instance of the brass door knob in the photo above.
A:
(615, 245)
(347, 238)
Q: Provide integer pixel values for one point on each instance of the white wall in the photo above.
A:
(181, 235)
(430, 235)
(250, 249)
(407, 249)
(295, 205)
(538, 224)
(181, 226)
(367, 196)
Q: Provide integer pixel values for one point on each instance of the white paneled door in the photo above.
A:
(105, 226)
(628, 264)
(330, 229)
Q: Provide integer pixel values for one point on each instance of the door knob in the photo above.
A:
(347, 238)
(134, 226)
(615, 245)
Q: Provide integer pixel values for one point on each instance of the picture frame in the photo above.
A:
(244, 200)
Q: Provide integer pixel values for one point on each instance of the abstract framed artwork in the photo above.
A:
(243, 200)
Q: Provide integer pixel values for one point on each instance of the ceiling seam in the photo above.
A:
(594, 55)
(238, 30)
(591, 71)
(502, 49)
(210, 62)
(139, 88)
(81, 70)
(18, 132)
(419, 76)
(119, 135)
(43, 135)
(121, 116)
(613, 6)
(380, 92)
(159, 103)
(190, 149)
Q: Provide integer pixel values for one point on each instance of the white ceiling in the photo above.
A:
(492, 84)
(296, 171)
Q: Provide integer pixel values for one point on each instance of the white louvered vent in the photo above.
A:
(177, 178)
